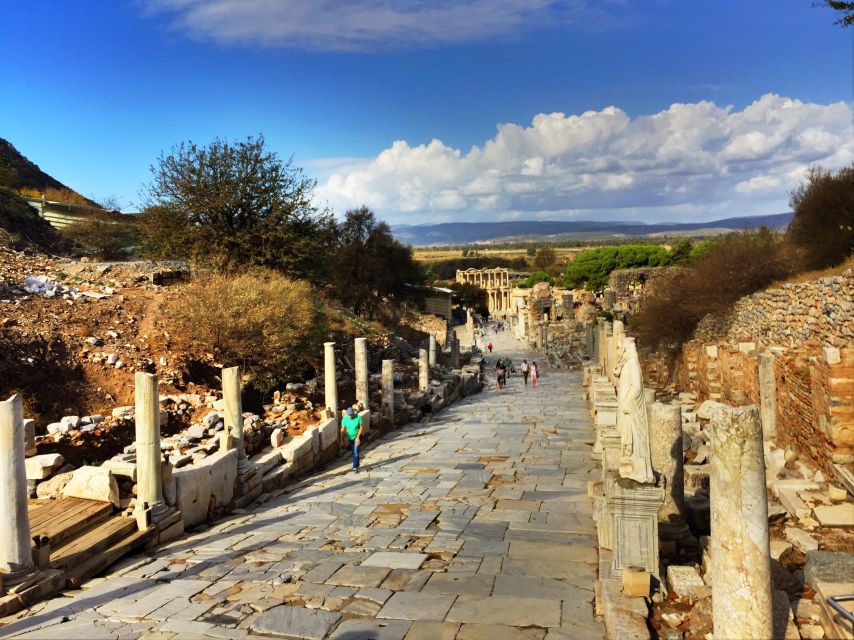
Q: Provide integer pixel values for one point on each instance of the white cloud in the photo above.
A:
(690, 160)
(343, 25)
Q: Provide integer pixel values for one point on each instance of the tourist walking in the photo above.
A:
(489, 347)
(501, 373)
(524, 368)
(351, 427)
(535, 374)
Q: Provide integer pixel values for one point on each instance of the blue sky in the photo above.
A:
(693, 109)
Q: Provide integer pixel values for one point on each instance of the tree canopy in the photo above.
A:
(544, 259)
(823, 222)
(844, 9)
(371, 267)
(592, 268)
(471, 296)
(232, 204)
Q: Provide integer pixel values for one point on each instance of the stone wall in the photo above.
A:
(819, 311)
(815, 392)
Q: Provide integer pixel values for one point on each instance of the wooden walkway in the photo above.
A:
(85, 536)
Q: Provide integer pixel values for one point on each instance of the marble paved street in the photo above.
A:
(474, 525)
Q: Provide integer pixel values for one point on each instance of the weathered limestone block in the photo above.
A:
(41, 467)
(741, 600)
(203, 489)
(93, 483)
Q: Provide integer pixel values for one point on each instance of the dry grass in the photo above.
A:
(808, 276)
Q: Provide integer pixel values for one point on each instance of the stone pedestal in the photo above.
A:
(16, 558)
(388, 390)
(423, 370)
(634, 512)
(665, 448)
(233, 418)
(149, 473)
(361, 365)
(741, 590)
(432, 351)
(330, 384)
(767, 395)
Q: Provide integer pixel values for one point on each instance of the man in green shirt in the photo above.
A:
(351, 426)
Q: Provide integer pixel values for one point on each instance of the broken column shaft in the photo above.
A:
(362, 389)
(432, 350)
(149, 476)
(741, 589)
(16, 558)
(330, 396)
(423, 370)
(388, 390)
(233, 418)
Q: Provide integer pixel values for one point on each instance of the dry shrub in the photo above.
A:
(260, 320)
(736, 266)
(103, 237)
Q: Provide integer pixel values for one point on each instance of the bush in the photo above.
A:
(733, 267)
(823, 222)
(260, 320)
(107, 239)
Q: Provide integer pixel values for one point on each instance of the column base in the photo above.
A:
(20, 579)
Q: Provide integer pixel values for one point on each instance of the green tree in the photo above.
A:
(239, 204)
(531, 251)
(371, 267)
(471, 296)
(592, 268)
(545, 259)
(823, 222)
(844, 9)
(536, 277)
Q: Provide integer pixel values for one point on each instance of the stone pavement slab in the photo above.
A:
(475, 524)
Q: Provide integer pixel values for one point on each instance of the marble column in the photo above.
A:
(665, 449)
(423, 370)
(767, 395)
(432, 351)
(233, 418)
(16, 558)
(330, 394)
(149, 473)
(388, 390)
(741, 589)
(361, 365)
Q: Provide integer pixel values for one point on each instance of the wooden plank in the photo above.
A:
(68, 517)
(97, 563)
(92, 542)
(60, 510)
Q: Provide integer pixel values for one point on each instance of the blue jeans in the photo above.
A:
(355, 449)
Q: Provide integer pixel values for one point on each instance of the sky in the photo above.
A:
(444, 110)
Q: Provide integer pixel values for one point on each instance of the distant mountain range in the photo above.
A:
(456, 233)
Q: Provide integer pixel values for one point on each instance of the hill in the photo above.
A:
(21, 227)
(28, 175)
(451, 233)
